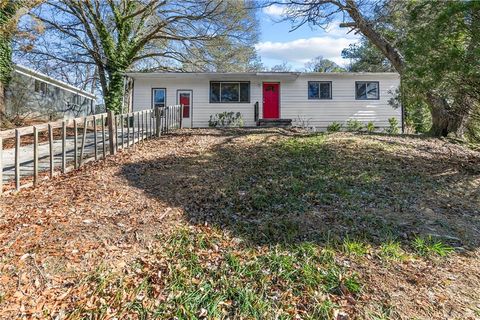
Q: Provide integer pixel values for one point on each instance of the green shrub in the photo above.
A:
(334, 127)
(353, 125)
(226, 119)
(393, 126)
(370, 127)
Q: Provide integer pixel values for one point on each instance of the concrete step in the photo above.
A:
(275, 123)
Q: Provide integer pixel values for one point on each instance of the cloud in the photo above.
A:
(301, 51)
(274, 10)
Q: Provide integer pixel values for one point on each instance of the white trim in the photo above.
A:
(249, 75)
(42, 77)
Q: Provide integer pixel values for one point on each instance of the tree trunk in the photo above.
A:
(114, 95)
(444, 121)
(2, 104)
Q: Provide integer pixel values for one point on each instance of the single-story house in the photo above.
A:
(306, 99)
(32, 94)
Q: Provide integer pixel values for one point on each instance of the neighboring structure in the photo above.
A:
(32, 94)
(308, 99)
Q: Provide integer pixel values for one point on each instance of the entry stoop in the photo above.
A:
(271, 123)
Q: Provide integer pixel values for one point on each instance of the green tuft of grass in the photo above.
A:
(323, 310)
(392, 250)
(355, 248)
(337, 281)
(429, 246)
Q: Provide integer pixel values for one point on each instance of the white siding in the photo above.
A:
(294, 102)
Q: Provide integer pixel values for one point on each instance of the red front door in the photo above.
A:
(271, 100)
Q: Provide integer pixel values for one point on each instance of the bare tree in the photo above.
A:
(119, 35)
(320, 64)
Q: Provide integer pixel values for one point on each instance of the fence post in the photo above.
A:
(50, 150)
(17, 159)
(35, 156)
(111, 134)
(75, 141)
(84, 138)
(64, 147)
(95, 137)
(104, 147)
(181, 117)
(157, 121)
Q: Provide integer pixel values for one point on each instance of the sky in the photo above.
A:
(277, 44)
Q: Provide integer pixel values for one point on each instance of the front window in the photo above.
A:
(159, 97)
(367, 90)
(319, 90)
(229, 92)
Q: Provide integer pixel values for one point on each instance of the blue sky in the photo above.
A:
(277, 44)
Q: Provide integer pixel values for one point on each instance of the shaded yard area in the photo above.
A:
(252, 224)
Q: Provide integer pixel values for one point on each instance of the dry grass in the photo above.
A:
(251, 224)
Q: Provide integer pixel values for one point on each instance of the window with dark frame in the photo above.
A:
(318, 90)
(40, 86)
(229, 91)
(159, 97)
(367, 90)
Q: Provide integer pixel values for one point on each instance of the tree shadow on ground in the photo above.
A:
(272, 187)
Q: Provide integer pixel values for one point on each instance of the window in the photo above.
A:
(367, 90)
(229, 92)
(40, 86)
(159, 97)
(76, 100)
(319, 90)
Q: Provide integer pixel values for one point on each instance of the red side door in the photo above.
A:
(185, 98)
(271, 100)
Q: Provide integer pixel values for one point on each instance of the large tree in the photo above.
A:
(442, 54)
(379, 22)
(10, 13)
(119, 35)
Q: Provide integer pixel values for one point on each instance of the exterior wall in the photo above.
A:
(201, 108)
(342, 107)
(294, 102)
(55, 103)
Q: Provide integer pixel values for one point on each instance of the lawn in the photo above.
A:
(251, 224)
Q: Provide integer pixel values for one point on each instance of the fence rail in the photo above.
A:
(33, 153)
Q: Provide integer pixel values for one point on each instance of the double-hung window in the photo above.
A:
(367, 90)
(319, 90)
(159, 97)
(229, 91)
(41, 87)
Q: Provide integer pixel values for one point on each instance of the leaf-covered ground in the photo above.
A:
(250, 224)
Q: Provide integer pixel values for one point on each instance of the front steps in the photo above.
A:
(272, 123)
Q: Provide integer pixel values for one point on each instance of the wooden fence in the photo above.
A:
(33, 153)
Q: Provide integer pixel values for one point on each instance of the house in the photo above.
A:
(305, 99)
(32, 94)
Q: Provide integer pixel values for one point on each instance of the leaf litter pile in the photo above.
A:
(250, 224)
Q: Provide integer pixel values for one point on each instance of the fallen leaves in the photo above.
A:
(110, 214)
